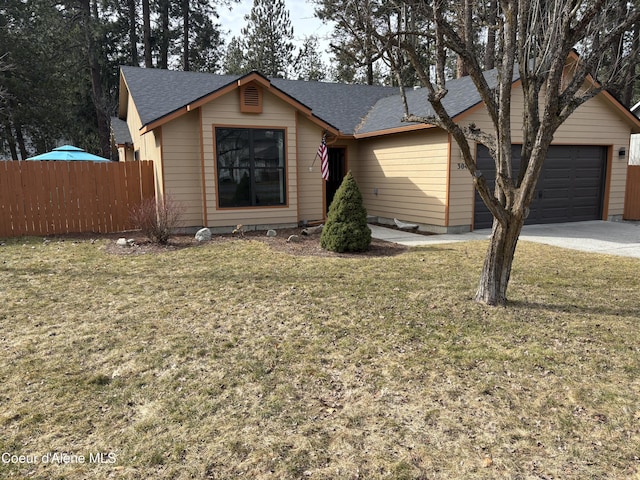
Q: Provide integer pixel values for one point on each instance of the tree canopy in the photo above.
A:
(59, 62)
(268, 39)
(564, 52)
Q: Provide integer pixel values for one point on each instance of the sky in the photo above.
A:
(300, 13)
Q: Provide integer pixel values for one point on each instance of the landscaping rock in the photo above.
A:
(271, 233)
(122, 242)
(293, 239)
(312, 230)
(203, 235)
(405, 226)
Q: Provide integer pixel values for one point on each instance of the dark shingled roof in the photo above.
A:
(341, 105)
(157, 92)
(352, 109)
(387, 113)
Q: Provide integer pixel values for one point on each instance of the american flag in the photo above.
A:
(324, 158)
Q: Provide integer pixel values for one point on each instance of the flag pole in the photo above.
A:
(314, 160)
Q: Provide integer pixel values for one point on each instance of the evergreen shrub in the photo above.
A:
(346, 229)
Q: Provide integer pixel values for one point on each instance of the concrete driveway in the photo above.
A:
(612, 238)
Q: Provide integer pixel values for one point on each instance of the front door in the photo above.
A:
(337, 165)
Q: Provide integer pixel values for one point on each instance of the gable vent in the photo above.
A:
(250, 99)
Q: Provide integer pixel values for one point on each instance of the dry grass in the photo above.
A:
(234, 360)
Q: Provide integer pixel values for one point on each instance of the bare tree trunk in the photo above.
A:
(133, 36)
(541, 36)
(632, 69)
(490, 50)
(496, 271)
(21, 143)
(164, 34)
(185, 35)
(370, 75)
(146, 27)
(369, 59)
(467, 35)
(96, 81)
(8, 135)
(369, 47)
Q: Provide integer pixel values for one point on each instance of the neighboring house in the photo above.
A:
(242, 150)
(121, 138)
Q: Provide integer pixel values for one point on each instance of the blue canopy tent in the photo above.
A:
(69, 152)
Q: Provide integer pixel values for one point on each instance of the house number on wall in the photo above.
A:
(462, 166)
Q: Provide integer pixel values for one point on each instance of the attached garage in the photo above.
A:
(570, 187)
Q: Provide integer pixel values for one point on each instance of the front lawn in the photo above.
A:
(234, 360)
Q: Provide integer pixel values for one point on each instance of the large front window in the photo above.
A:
(251, 167)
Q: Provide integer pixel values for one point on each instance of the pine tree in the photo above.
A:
(346, 229)
(308, 64)
(234, 60)
(268, 44)
(199, 42)
(354, 45)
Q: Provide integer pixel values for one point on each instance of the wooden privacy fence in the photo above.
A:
(49, 198)
(632, 195)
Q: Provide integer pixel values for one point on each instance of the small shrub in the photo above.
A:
(157, 220)
(346, 229)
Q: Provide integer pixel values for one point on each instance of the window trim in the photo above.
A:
(285, 169)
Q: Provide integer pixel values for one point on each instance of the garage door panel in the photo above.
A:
(582, 211)
(570, 187)
(586, 206)
(586, 193)
(558, 172)
(545, 183)
(559, 193)
(553, 215)
(587, 175)
(590, 179)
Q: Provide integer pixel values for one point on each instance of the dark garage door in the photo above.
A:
(570, 187)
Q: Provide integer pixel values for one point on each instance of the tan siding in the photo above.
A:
(309, 176)
(225, 111)
(182, 166)
(602, 126)
(148, 146)
(595, 123)
(409, 173)
(353, 153)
